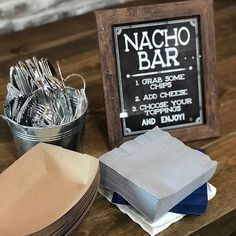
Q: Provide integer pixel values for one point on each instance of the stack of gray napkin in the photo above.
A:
(154, 172)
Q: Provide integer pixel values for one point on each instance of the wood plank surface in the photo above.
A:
(73, 42)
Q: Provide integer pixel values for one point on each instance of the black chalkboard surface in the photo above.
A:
(159, 71)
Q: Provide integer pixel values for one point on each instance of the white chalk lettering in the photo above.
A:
(171, 37)
(149, 96)
(145, 42)
(148, 121)
(154, 38)
(172, 118)
(158, 59)
(171, 78)
(174, 93)
(179, 102)
(146, 63)
(182, 42)
(151, 80)
(178, 36)
(152, 106)
(134, 43)
(171, 55)
(160, 86)
(162, 110)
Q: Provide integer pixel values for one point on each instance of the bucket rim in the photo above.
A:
(54, 126)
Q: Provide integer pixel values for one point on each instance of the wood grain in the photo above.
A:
(74, 43)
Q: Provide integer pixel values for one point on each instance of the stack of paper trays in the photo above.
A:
(47, 191)
(154, 172)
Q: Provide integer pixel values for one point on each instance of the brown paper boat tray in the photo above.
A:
(47, 191)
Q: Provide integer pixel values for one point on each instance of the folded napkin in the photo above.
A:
(155, 171)
(194, 204)
(151, 227)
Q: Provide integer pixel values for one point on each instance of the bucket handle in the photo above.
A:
(69, 76)
(76, 75)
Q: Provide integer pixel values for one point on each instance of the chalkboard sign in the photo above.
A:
(158, 70)
(160, 74)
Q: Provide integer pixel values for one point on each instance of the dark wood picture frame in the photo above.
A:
(107, 19)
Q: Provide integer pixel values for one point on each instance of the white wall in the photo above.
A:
(20, 14)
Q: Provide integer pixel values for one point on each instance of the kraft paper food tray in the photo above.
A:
(72, 220)
(72, 224)
(76, 213)
(42, 186)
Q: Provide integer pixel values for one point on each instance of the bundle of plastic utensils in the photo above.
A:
(37, 97)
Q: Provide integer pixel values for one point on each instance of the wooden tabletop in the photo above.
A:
(74, 43)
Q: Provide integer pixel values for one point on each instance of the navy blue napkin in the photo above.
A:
(194, 204)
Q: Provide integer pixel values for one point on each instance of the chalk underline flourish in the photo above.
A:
(158, 72)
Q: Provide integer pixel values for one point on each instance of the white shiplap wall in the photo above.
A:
(20, 14)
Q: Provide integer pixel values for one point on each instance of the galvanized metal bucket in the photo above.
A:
(67, 135)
